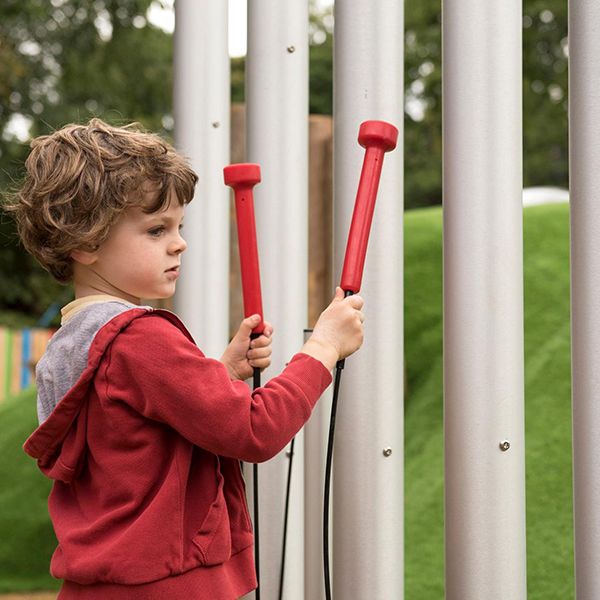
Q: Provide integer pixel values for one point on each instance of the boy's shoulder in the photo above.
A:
(79, 345)
(67, 354)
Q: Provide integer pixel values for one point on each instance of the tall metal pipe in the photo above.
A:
(277, 126)
(202, 131)
(483, 301)
(367, 555)
(584, 152)
(315, 453)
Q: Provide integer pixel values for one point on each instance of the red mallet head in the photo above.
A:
(378, 134)
(242, 178)
(377, 137)
(245, 175)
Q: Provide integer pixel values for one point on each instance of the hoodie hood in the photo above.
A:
(64, 376)
(66, 355)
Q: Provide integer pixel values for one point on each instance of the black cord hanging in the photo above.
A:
(256, 385)
(285, 518)
(328, 467)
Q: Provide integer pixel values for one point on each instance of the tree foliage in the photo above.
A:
(65, 61)
(68, 60)
(545, 159)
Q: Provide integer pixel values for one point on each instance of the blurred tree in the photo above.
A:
(422, 104)
(320, 58)
(545, 157)
(65, 61)
(545, 160)
(545, 81)
(68, 60)
(320, 63)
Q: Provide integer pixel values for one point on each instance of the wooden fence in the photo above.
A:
(20, 350)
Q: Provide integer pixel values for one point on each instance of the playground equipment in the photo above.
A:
(584, 152)
(20, 350)
(483, 301)
(377, 137)
(368, 85)
(483, 320)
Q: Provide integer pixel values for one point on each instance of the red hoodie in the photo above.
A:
(148, 500)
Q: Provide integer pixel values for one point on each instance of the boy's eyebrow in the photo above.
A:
(163, 218)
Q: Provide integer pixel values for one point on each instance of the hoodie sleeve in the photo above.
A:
(154, 368)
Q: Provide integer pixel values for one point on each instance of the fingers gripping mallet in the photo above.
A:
(377, 137)
(242, 178)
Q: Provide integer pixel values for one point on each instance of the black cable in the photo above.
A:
(328, 465)
(256, 384)
(285, 519)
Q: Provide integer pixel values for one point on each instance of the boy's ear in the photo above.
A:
(84, 257)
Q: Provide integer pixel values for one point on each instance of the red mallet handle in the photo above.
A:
(242, 178)
(377, 137)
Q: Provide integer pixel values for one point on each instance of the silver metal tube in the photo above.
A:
(277, 121)
(483, 301)
(584, 152)
(315, 454)
(367, 555)
(202, 124)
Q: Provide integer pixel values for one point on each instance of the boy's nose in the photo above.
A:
(179, 246)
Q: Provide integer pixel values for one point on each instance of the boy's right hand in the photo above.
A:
(338, 331)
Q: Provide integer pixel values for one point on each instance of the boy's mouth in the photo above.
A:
(175, 268)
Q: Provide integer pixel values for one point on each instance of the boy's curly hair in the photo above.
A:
(80, 178)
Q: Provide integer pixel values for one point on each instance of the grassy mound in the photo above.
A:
(27, 540)
(26, 535)
(547, 393)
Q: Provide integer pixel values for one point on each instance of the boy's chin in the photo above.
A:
(157, 297)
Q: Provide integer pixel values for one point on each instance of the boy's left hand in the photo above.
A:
(243, 354)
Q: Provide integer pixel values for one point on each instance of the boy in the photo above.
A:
(141, 432)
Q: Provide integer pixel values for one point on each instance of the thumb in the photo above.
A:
(248, 324)
(339, 293)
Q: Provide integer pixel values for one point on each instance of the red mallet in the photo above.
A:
(242, 178)
(377, 137)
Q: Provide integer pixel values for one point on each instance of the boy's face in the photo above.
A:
(139, 259)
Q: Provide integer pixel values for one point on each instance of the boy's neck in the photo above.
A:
(83, 291)
(87, 283)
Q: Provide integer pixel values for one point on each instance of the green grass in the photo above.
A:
(26, 536)
(27, 541)
(547, 392)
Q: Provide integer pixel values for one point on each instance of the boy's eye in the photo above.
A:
(156, 231)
